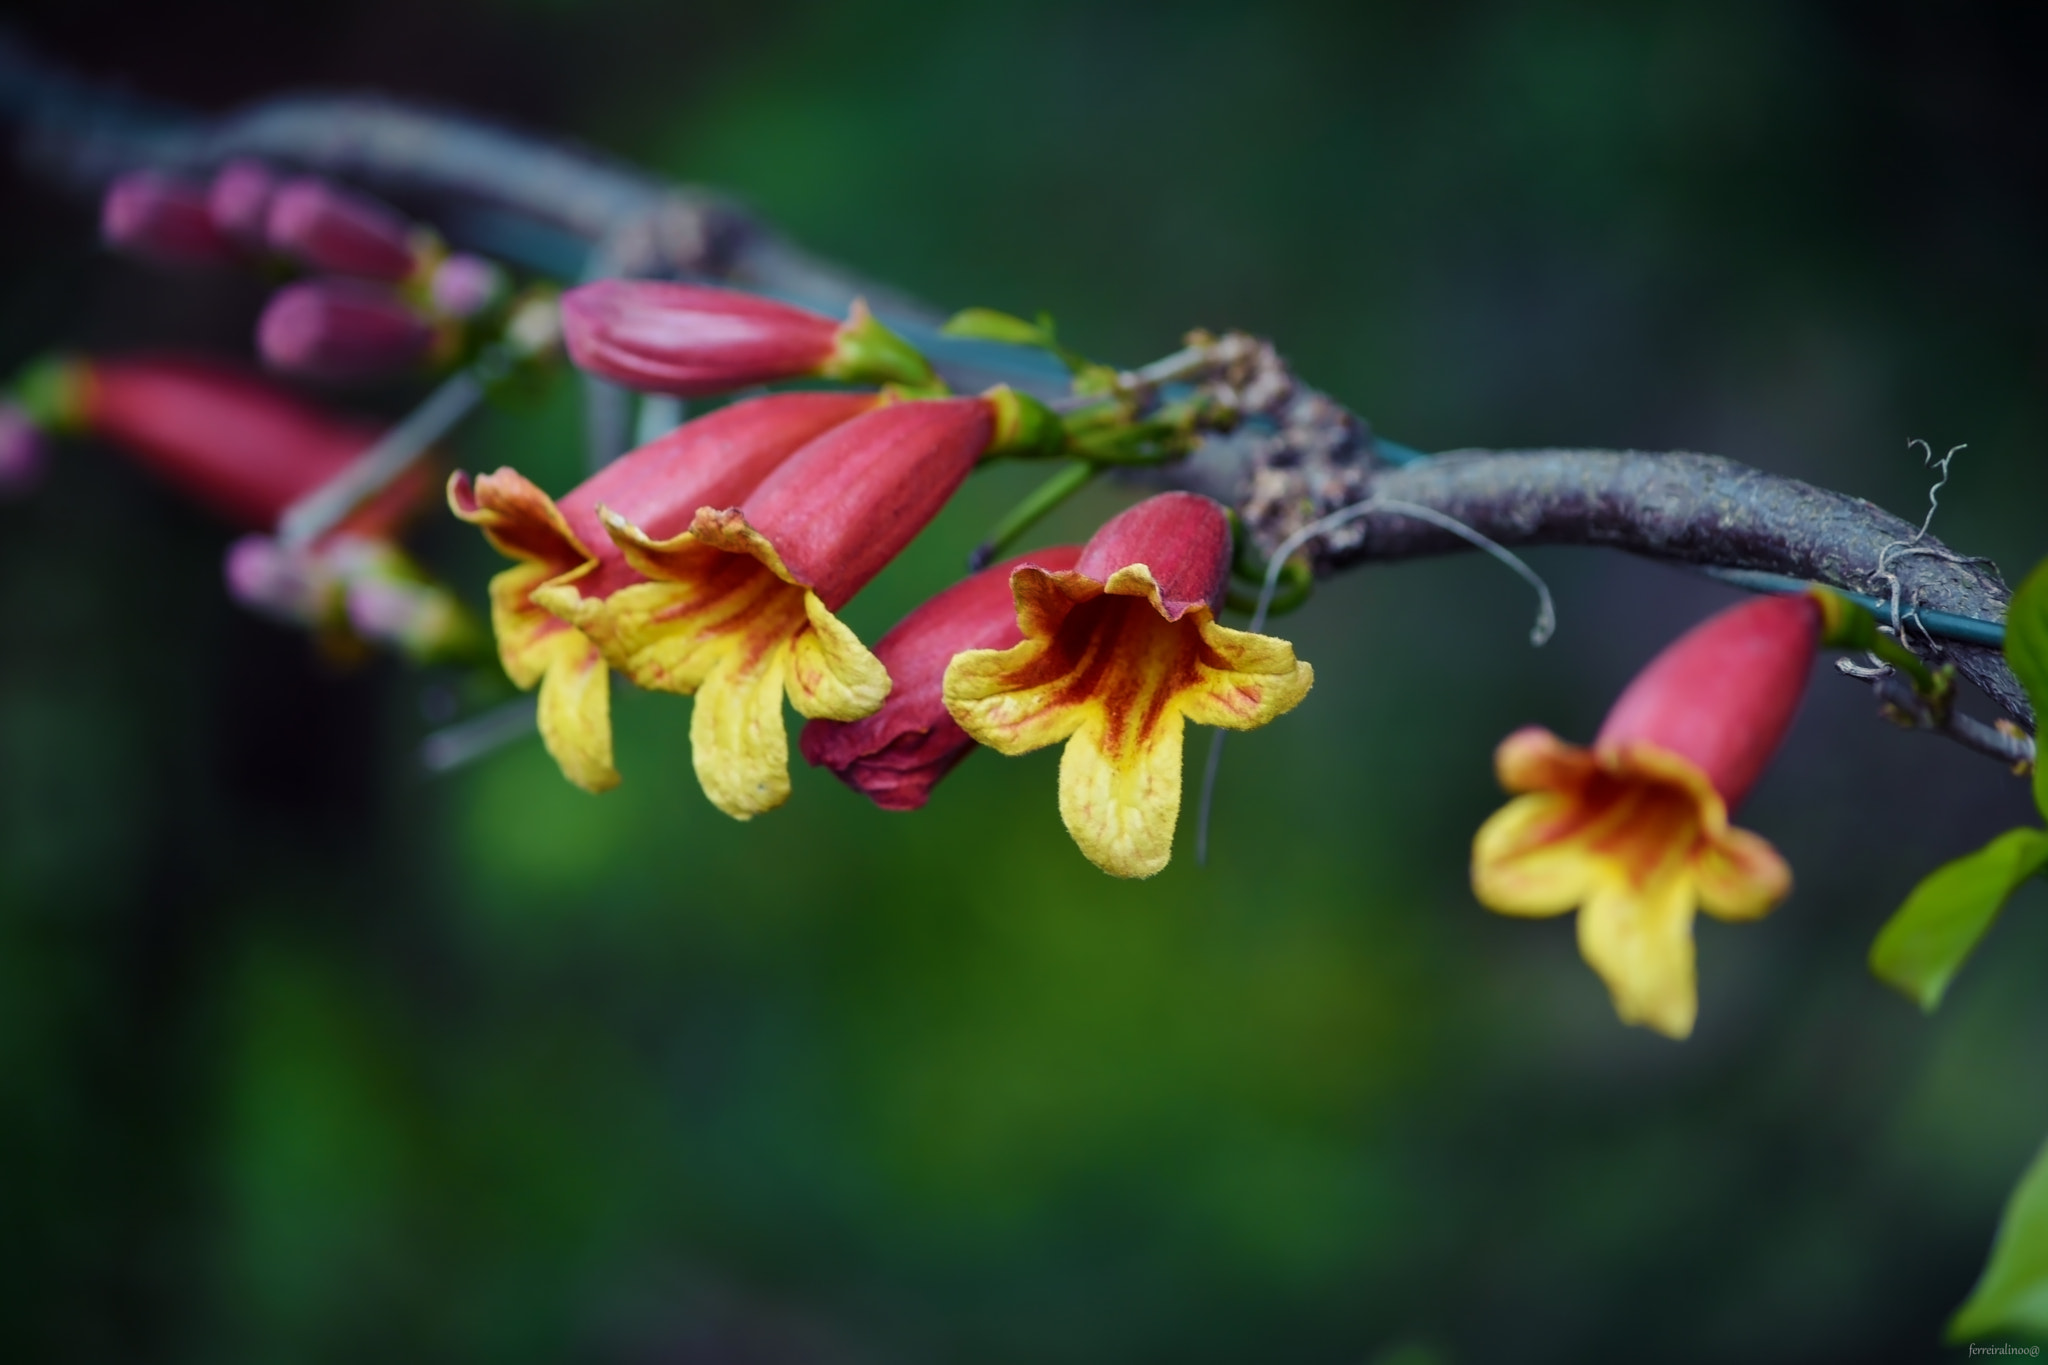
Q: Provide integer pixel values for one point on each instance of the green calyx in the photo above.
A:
(1026, 429)
(1845, 625)
(869, 353)
(1297, 576)
(51, 391)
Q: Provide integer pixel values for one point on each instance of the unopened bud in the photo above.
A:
(332, 229)
(239, 201)
(464, 286)
(342, 330)
(285, 585)
(424, 620)
(23, 452)
(152, 214)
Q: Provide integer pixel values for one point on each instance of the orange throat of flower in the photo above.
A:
(1636, 840)
(719, 616)
(1103, 669)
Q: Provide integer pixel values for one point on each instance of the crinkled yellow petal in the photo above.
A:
(1121, 807)
(526, 634)
(575, 711)
(1740, 876)
(1244, 680)
(1639, 939)
(831, 675)
(1532, 759)
(1521, 867)
(737, 741)
(985, 691)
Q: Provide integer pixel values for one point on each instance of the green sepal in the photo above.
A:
(1920, 949)
(869, 353)
(51, 392)
(2012, 1293)
(1026, 429)
(1297, 578)
(1846, 625)
(987, 324)
(2026, 649)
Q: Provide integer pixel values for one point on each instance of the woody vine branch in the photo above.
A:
(1293, 454)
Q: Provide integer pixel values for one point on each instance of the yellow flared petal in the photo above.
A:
(737, 742)
(993, 695)
(1243, 680)
(1121, 802)
(575, 711)
(1740, 876)
(1534, 760)
(831, 674)
(1521, 867)
(526, 634)
(1639, 939)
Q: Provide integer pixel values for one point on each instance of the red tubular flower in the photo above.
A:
(152, 214)
(569, 565)
(232, 442)
(1117, 655)
(897, 755)
(239, 202)
(741, 612)
(341, 330)
(692, 340)
(334, 230)
(1634, 832)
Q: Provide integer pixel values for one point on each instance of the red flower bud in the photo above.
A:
(898, 754)
(239, 202)
(235, 444)
(691, 339)
(336, 230)
(341, 330)
(1723, 694)
(1184, 538)
(152, 214)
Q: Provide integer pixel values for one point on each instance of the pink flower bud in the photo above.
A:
(464, 286)
(342, 330)
(1723, 694)
(690, 339)
(275, 582)
(239, 201)
(897, 755)
(152, 214)
(23, 452)
(336, 230)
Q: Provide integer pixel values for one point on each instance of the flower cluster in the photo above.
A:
(714, 562)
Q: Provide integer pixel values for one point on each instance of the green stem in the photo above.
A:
(1025, 514)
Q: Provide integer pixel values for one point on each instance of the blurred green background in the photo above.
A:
(306, 1057)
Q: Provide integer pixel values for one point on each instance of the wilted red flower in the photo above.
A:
(566, 554)
(1634, 832)
(1118, 653)
(339, 231)
(153, 214)
(897, 755)
(341, 330)
(692, 339)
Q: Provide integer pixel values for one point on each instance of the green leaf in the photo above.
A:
(986, 324)
(2012, 1293)
(1919, 951)
(2026, 649)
